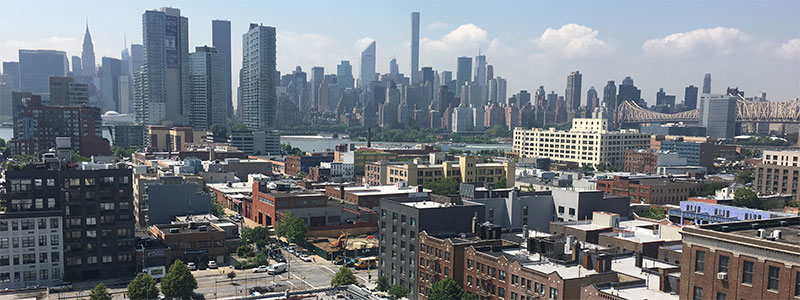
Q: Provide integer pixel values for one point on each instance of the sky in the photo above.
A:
(753, 45)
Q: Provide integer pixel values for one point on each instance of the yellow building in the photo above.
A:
(589, 142)
(360, 156)
(466, 170)
(172, 139)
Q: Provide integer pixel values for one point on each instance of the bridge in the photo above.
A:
(746, 112)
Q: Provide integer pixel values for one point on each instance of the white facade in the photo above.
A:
(31, 251)
(258, 143)
(345, 171)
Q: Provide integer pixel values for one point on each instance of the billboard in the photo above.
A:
(171, 41)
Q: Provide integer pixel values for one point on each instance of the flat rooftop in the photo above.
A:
(425, 204)
(374, 190)
(789, 228)
(235, 187)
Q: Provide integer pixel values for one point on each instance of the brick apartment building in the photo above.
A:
(650, 189)
(756, 259)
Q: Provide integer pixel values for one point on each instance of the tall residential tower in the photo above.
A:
(415, 78)
(221, 41)
(259, 101)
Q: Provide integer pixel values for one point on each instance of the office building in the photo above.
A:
(415, 76)
(259, 99)
(592, 101)
(113, 86)
(161, 91)
(367, 75)
(11, 69)
(707, 84)
(628, 92)
(755, 259)
(221, 41)
(480, 78)
(128, 135)
(644, 161)
(209, 102)
(778, 173)
(64, 91)
(256, 142)
(463, 73)
(76, 66)
(87, 55)
(718, 115)
(588, 143)
(37, 66)
(344, 75)
(36, 127)
(497, 90)
(696, 153)
(137, 58)
(171, 196)
(690, 98)
(573, 92)
(172, 139)
(401, 219)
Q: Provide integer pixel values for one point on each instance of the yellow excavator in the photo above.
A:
(341, 242)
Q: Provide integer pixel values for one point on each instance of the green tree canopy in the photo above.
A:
(743, 177)
(382, 284)
(746, 197)
(446, 289)
(656, 213)
(257, 235)
(343, 277)
(397, 292)
(216, 209)
(446, 186)
(142, 287)
(292, 228)
(501, 184)
(179, 281)
(100, 292)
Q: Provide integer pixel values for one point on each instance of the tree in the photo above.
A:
(746, 197)
(216, 209)
(142, 287)
(292, 228)
(78, 158)
(121, 152)
(501, 183)
(447, 186)
(382, 284)
(656, 213)
(445, 289)
(397, 292)
(100, 292)
(256, 235)
(179, 281)
(743, 177)
(231, 275)
(244, 251)
(343, 277)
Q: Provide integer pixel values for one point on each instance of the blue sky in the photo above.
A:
(754, 45)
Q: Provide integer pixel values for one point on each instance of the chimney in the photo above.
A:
(369, 137)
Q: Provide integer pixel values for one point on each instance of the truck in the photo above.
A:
(276, 268)
(157, 272)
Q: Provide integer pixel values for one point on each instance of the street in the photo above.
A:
(215, 284)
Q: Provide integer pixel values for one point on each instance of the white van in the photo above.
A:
(276, 268)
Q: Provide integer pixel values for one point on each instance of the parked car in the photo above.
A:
(339, 261)
(258, 289)
(305, 257)
(350, 262)
(61, 287)
(280, 259)
(192, 266)
(212, 264)
(260, 269)
(275, 287)
(277, 268)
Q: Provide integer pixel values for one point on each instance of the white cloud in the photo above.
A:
(572, 40)
(309, 49)
(362, 43)
(465, 37)
(716, 40)
(790, 49)
(439, 26)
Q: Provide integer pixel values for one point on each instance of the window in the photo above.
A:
(91, 260)
(553, 293)
(747, 272)
(3, 243)
(42, 223)
(723, 264)
(54, 239)
(571, 211)
(699, 261)
(43, 274)
(797, 284)
(774, 278)
(722, 296)
(561, 209)
(29, 276)
(698, 293)
(42, 240)
(55, 256)
(29, 258)
(43, 257)
(491, 213)
(28, 241)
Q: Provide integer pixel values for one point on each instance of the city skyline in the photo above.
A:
(528, 53)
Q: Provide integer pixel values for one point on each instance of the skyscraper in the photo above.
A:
(463, 72)
(394, 69)
(660, 96)
(573, 92)
(208, 88)
(415, 78)
(110, 73)
(137, 57)
(259, 100)
(221, 41)
(497, 90)
(628, 92)
(718, 115)
(480, 77)
(707, 84)
(690, 97)
(344, 75)
(87, 56)
(592, 101)
(36, 67)
(77, 66)
(11, 69)
(367, 75)
(317, 77)
(162, 93)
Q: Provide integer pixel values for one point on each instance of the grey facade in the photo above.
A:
(415, 78)
(37, 66)
(572, 205)
(367, 75)
(344, 75)
(163, 82)
(256, 143)
(258, 75)
(401, 220)
(87, 55)
(718, 115)
(209, 97)
(128, 135)
(690, 97)
(573, 92)
(65, 91)
(463, 73)
(111, 83)
(171, 197)
(11, 69)
(221, 40)
(515, 210)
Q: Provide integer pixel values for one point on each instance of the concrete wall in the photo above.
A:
(166, 201)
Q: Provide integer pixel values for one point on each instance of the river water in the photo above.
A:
(318, 143)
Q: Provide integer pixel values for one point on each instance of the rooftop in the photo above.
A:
(425, 204)
(232, 187)
(789, 228)
(369, 190)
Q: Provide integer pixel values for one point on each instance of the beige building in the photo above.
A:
(589, 142)
(467, 169)
(778, 173)
(174, 139)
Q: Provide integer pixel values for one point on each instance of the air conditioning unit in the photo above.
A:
(722, 275)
